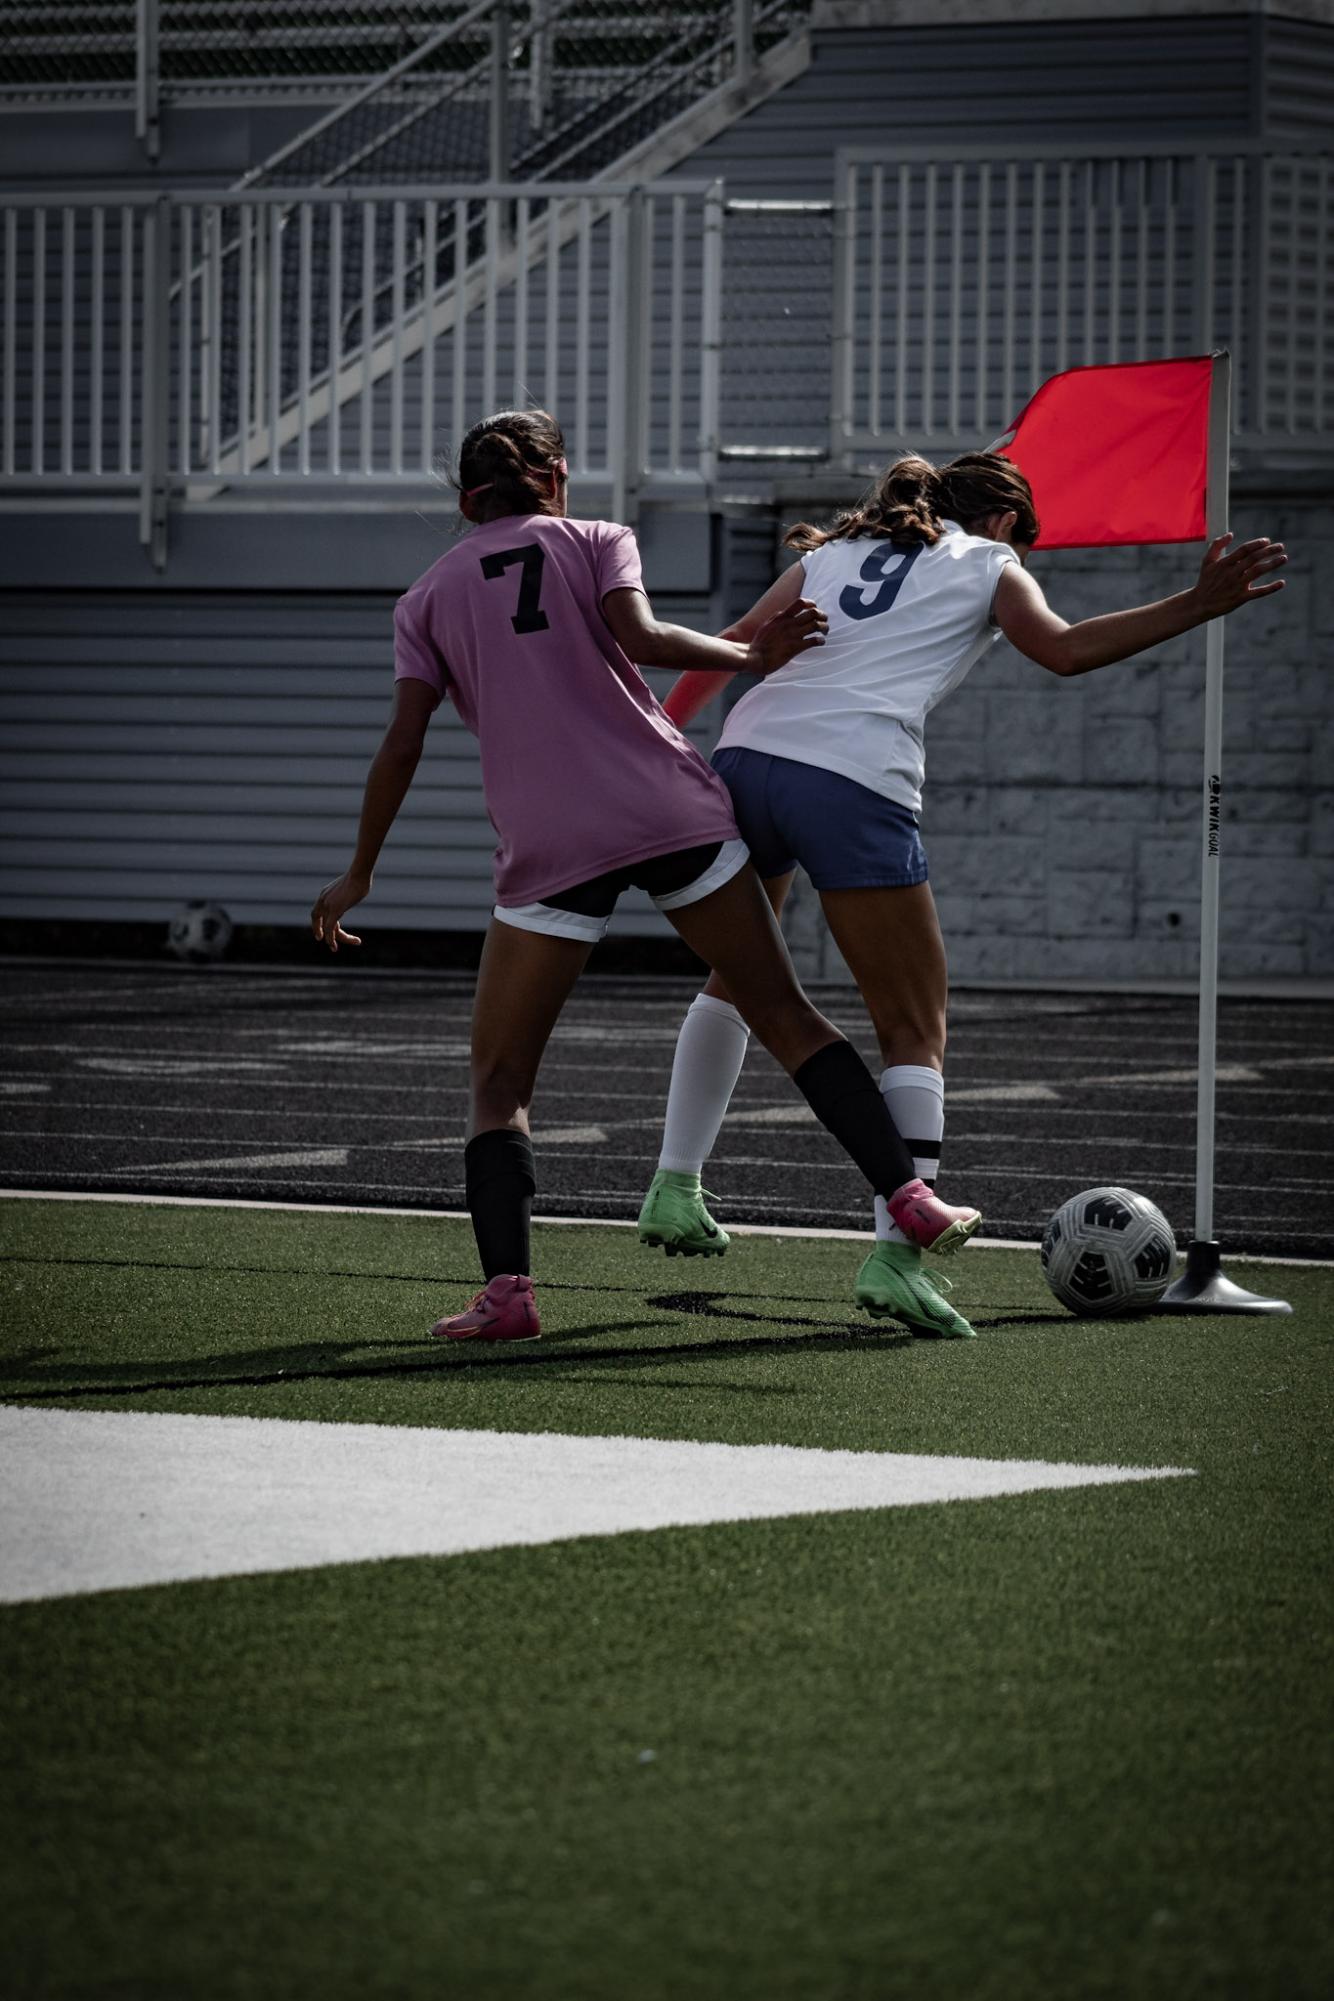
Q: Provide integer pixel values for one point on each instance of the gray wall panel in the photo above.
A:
(158, 748)
(1298, 81)
(1077, 80)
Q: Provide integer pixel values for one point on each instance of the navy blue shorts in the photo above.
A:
(844, 835)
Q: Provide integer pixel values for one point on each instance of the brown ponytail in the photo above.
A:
(513, 462)
(912, 499)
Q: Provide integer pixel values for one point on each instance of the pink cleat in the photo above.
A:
(930, 1223)
(504, 1311)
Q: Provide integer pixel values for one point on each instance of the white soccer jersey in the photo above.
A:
(905, 626)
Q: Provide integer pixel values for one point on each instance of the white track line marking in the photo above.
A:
(1225, 1073)
(1008, 1094)
(991, 1094)
(796, 1114)
(105, 1500)
(793, 1231)
(304, 1156)
(178, 1066)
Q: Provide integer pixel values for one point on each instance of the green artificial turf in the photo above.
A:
(1061, 1744)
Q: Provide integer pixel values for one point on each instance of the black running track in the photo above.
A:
(335, 1086)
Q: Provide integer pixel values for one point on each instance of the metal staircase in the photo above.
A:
(534, 93)
(532, 89)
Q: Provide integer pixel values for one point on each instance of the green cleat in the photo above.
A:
(674, 1216)
(893, 1284)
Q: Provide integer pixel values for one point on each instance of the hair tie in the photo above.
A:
(485, 487)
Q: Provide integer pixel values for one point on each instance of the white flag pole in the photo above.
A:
(1216, 510)
(1203, 1287)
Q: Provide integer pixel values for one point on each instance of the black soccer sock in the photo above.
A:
(842, 1093)
(498, 1175)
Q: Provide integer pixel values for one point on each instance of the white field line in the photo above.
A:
(217, 1075)
(166, 1109)
(1242, 1095)
(553, 1222)
(222, 1170)
(1259, 988)
(110, 1060)
(305, 1156)
(591, 1135)
(109, 1500)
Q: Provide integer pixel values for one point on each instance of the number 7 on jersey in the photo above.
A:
(530, 616)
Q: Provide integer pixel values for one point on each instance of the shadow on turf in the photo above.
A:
(463, 1280)
(326, 1361)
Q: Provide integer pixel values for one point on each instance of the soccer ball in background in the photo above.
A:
(199, 932)
(1108, 1251)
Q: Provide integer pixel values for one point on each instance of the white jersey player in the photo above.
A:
(825, 762)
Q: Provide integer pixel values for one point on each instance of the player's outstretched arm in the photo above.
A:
(651, 643)
(1228, 579)
(689, 695)
(782, 593)
(387, 783)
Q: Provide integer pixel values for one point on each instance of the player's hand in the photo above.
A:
(330, 904)
(1230, 578)
(786, 634)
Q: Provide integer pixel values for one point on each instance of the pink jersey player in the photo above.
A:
(582, 770)
(532, 627)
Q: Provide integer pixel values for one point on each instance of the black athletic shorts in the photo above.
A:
(672, 880)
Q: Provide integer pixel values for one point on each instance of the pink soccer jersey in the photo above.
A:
(582, 770)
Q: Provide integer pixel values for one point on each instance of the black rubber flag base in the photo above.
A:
(1204, 1287)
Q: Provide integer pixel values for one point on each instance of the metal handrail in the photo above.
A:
(938, 334)
(1067, 149)
(173, 389)
(508, 190)
(511, 38)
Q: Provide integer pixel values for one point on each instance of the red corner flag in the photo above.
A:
(1117, 454)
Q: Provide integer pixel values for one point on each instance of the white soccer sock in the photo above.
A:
(915, 1099)
(710, 1051)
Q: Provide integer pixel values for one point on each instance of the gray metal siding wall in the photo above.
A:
(1298, 80)
(748, 560)
(203, 146)
(159, 748)
(1183, 79)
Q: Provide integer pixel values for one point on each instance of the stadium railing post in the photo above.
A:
(147, 77)
(633, 333)
(743, 37)
(711, 335)
(1203, 1287)
(539, 65)
(499, 123)
(155, 381)
(619, 280)
(842, 316)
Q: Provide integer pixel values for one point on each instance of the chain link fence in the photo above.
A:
(601, 77)
(58, 49)
(776, 376)
(569, 61)
(413, 90)
(583, 83)
(53, 50)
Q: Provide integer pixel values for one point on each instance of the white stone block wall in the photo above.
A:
(1062, 818)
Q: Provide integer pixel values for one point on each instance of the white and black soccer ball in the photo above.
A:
(1108, 1251)
(199, 931)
